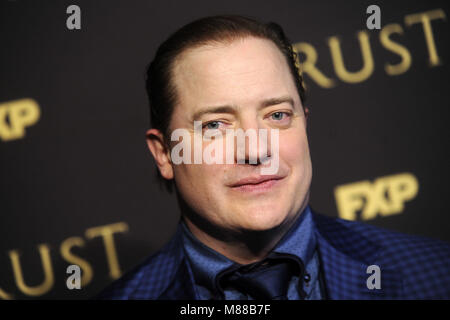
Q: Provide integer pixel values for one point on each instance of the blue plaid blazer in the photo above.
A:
(411, 267)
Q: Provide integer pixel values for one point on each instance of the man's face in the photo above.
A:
(242, 75)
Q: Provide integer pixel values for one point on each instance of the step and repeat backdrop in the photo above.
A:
(78, 185)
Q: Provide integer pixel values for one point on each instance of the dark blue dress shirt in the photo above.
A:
(300, 240)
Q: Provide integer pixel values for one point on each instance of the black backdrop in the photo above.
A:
(77, 184)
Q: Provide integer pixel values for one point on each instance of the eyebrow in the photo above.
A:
(232, 109)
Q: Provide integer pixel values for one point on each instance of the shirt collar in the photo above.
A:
(300, 239)
(206, 263)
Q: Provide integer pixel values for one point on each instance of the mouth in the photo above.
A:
(257, 184)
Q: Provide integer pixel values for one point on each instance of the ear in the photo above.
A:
(160, 152)
(306, 115)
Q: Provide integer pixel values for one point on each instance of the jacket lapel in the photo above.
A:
(165, 276)
(180, 280)
(181, 287)
(345, 256)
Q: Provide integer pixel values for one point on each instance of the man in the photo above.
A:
(244, 234)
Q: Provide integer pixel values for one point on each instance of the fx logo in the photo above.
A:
(370, 198)
(15, 116)
(73, 281)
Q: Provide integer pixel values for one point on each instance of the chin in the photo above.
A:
(263, 219)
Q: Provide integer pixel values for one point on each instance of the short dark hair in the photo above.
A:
(215, 29)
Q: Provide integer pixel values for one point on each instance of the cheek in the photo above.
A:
(294, 149)
(198, 177)
(294, 153)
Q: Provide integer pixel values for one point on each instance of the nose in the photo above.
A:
(252, 141)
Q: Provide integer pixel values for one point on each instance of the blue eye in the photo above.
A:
(212, 125)
(278, 115)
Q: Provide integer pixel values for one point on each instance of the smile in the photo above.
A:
(258, 185)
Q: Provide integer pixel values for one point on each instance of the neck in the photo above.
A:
(243, 247)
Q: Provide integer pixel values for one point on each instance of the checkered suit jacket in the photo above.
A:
(411, 267)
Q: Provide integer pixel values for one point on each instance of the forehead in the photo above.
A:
(240, 72)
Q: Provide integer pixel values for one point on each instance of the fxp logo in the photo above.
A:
(15, 116)
(385, 196)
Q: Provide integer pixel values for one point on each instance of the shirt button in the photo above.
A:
(307, 277)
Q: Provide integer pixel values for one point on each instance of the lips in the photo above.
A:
(266, 180)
